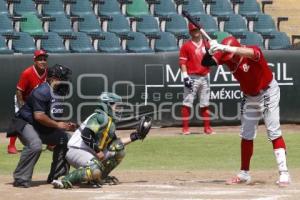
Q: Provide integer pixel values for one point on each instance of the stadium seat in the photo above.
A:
(194, 7)
(109, 7)
(138, 43)
(6, 26)
(264, 24)
(280, 40)
(249, 8)
(166, 42)
(3, 8)
(23, 43)
(53, 7)
(53, 43)
(208, 23)
(3, 47)
(221, 8)
(110, 44)
(32, 25)
(164, 8)
(177, 25)
(61, 24)
(137, 8)
(81, 7)
(147, 25)
(235, 25)
(23, 7)
(119, 25)
(252, 38)
(82, 43)
(89, 25)
(220, 35)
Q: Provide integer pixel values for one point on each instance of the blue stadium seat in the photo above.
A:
(3, 47)
(165, 43)
(138, 43)
(264, 24)
(208, 23)
(119, 25)
(23, 43)
(280, 40)
(110, 44)
(89, 25)
(53, 44)
(177, 25)
(252, 38)
(235, 25)
(147, 25)
(6, 26)
(53, 7)
(23, 7)
(3, 7)
(82, 43)
(194, 7)
(81, 7)
(61, 25)
(249, 8)
(164, 8)
(109, 7)
(221, 8)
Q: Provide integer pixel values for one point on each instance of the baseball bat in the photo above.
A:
(193, 21)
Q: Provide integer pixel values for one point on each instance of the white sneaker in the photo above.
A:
(240, 178)
(284, 179)
(57, 184)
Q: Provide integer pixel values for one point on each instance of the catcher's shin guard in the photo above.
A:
(112, 162)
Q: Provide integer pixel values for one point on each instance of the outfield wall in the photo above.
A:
(155, 76)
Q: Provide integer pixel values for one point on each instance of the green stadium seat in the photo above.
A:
(249, 8)
(252, 38)
(81, 7)
(138, 43)
(164, 8)
(165, 43)
(264, 24)
(61, 24)
(177, 25)
(53, 43)
(32, 25)
(82, 43)
(109, 7)
(6, 26)
(194, 7)
(221, 8)
(119, 25)
(235, 25)
(220, 35)
(110, 44)
(23, 43)
(147, 25)
(3, 47)
(23, 7)
(280, 40)
(137, 8)
(89, 25)
(53, 7)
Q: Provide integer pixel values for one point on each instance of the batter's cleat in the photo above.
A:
(186, 131)
(59, 184)
(11, 149)
(284, 179)
(208, 131)
(242, 178)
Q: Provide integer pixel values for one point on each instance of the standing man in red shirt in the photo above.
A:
(196, 79)
(30, 78)
(261, 99)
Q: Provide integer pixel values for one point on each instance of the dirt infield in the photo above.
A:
(156, 185)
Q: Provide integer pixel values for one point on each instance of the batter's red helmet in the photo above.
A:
(231, 41)
(38, 53)
(192, 27)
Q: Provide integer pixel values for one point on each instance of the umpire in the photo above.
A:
(35, 125)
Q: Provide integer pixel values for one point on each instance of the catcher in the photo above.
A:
(94, 149)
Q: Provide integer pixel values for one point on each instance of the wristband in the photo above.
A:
(230, 49)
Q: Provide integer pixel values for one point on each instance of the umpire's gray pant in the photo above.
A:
(32, 142)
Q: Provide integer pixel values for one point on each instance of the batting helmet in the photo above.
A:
(192, 27)
(38, 53)
(231, 41)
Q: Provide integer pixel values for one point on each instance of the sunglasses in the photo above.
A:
(41, 58)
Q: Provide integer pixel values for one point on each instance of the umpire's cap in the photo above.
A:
(60, 72)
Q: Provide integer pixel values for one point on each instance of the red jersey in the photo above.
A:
(30, 79)
(253, 75)
(191, 55)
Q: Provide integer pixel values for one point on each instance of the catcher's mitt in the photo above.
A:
(143, 127)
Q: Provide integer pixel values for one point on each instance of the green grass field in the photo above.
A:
(195, 152)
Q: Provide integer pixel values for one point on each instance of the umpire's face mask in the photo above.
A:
(61, 88)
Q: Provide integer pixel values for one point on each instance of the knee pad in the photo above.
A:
(94, 170)
(118, 148)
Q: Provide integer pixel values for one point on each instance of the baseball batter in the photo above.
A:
(94, 149)
(261, 99)
(196, 79)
